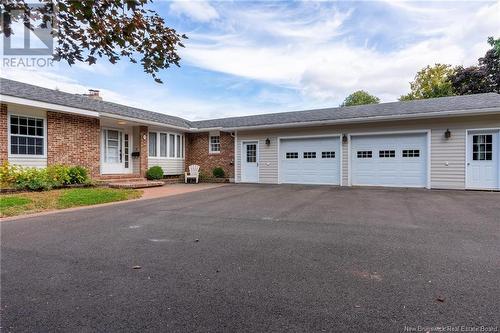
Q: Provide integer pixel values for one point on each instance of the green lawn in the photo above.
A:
(25, 203)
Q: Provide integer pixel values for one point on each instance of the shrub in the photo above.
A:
(8, 174)
(218, 172)
(154, 173)
(41, 179)
(34, 179)
(58, 175)
(78, 175)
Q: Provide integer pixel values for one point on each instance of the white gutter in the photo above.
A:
(45, 105)
(427, 115)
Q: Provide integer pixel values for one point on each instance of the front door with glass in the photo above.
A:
(115, 151)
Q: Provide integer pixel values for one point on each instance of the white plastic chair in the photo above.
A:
(194, 172)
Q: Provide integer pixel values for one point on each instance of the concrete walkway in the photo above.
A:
(148, 193)
(174, 189)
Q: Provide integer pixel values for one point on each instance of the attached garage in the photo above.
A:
(314, 160)
(399, 160)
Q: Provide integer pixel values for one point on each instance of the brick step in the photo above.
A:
(121, 176)
(136, 184)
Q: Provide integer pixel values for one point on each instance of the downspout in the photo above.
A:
(235, 136)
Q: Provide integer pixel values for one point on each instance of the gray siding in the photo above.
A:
(447, 155)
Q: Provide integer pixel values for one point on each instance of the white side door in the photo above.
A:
(483, 165)
(250, 162)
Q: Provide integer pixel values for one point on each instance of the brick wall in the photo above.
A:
(73, 140)
(143, 158)
(197, 153)
(3, 134)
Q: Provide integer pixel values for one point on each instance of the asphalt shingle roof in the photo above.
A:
(36, 93)
(407, 108)
(426, 106)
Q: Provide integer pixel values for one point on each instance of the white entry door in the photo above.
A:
(483, 164)
(310, 161)
(250, 162)
(115, 151)
(398, 160)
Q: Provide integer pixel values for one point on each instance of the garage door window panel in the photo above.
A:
(309, 154)
(328, 154)
(365, 154)
(386, 153)
(293, 155)
(411, 153)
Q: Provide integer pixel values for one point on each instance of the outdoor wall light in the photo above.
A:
(344, 138)
(268, 142)
(447, 134)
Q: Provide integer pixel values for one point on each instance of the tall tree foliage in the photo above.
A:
(430, 82)
(485, 77)
(92, 29)
(360, 97)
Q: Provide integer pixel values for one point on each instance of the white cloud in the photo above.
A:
(200, 11)
(192, 108)
(310, 48)
(328, 68)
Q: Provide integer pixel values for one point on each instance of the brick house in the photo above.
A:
(40, 127)
(449, 142)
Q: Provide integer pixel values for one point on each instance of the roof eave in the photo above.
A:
(83, 112)
(46, 105)
(427, 115)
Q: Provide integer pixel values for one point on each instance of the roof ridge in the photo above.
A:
(330, 109)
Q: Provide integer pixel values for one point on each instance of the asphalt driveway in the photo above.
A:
(258, 258)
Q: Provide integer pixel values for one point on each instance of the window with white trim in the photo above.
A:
(411, 153)
(171, 145)
(178, 145)
(166, 145)
(386, 153)
(482, 147)
(27, 135)
(309, 154)
(214, 144)
(292, 155)
(364, 154)
(328, 154)
(163, 144)
(152, 144)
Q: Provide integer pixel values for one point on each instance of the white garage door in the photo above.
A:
(310, 161)
(389, 160)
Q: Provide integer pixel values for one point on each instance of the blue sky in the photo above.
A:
(247, 57)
